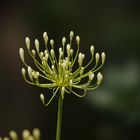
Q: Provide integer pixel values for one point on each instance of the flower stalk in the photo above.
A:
(59, 118)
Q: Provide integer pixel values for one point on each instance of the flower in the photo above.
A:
(59, 72)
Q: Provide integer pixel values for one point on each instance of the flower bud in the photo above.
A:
(103, 57)
(71, 52)
(25, 134)
(60, 54)
(63, 41)
(27, 41)
(78, 39)
(91, 76)
(97, 56)
(36, 133)
(68, 49)
(41, 54)
(92, 49)
(30, 73)
(37, 45)
(45, 51)
(13, 135)
(99, 78)
(71, 35)
(60, 49)
(80, 59)
(35, 74)
(52, 53)
(42, 98)
(23, 71)
(33, 53)
(46, 56)
(45, 36)
(52, 43)
(21, 54)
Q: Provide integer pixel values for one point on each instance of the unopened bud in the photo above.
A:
(97, 56)
(25, 134)
(27, 41)
(92, 49)
(37, 45)
(99, 78)
(36, 133)
(71, 35)
(41, 54)
(68, 49)
(52, 53)
(23, 71)
(21, 54)
(42, 98)
(30, 73)
(46, 56)
(78, 40)
(103, 57)
(63, 41)
(91, 76)
(52, 43)
(33, 53)
(13, 135)
(71, 52)
(45, 36)
(80, 59)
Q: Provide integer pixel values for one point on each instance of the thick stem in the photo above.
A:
(59, 118)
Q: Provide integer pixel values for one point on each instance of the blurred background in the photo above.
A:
(112, 112)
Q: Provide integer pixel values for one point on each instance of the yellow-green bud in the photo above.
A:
(23, 71)
(27, 41)
(78, 39)
(45, 37)
(25, 134)
(99, 78)
(30, 72)
(97, 56)
(71, 35)
(21, 54)
(13, 135)
(42, 98)
(37, 45)
(36, 133)
(63, 41)
(103, 57)
(92, 49)
(52, 43)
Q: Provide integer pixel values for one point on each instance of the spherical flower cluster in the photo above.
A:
(59, 70)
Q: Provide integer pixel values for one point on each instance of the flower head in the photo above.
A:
(58, 72)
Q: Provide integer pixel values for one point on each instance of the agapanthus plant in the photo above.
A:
(57, 67)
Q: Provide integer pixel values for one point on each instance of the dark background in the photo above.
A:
(113, 26)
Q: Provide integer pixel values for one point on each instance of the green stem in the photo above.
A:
(59, 118)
